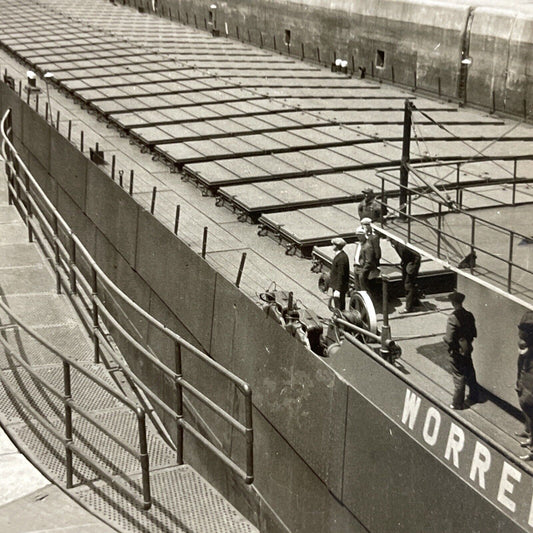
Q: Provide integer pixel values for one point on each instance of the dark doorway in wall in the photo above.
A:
(287, 37)
(380, 59)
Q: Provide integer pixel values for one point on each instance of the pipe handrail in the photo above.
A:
(81, 252)
(70, 404)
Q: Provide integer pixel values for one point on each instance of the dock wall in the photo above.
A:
(418, 44)
(346, 449)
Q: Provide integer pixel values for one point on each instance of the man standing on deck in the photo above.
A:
(339, 275)
(370, 207)
(410, 265)
(460, 334)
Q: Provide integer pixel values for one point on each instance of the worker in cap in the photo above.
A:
(339, 276)
(524, 380)
(370, 207)
(410, 265)
(366, 261)
(372, 236)
(460, 334)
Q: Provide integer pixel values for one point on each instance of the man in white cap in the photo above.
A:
(339, 275)
(372, 237)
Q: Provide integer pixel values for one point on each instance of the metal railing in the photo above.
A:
(70, 405)
(443, 207)
(86, 280)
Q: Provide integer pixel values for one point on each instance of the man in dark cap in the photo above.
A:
(370, 207)
(339, 275)
(460, 334)
(410, 265)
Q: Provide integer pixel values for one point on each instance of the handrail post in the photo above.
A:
(72, 262)
(439, 230)
(458, 182)
(510, 263)
(28, 208)
(472, 243)
(248, 420)
(385, 328)
(57, 260)
(68, 422)
(94, 296)
(513, 201)
(145, 462)
(179, 403)
(409, 207)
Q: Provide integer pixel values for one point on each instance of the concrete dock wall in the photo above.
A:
(416, 43)
(334, 450)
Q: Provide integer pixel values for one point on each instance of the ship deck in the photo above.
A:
(281, 142)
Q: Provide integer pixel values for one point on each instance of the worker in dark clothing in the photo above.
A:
(524, 383)
(460, 334)
(410, 265)
(339, 275)
(370, 207)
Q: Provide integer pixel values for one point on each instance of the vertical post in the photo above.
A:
(152, 205)
(457, 182)
(57, 119)
(472, 243)
(237, 32)
(121, 177)
(204, 242)
(37, 103)
(303, 51)
(72, 262)
(113, 164)
(20, 88)
(260, 39)
(409, 218)
(514, 182)
(493, 108)
(392, 73)
(385, 328)
(249, 434)
(69, 136)
(439, 86)
(241, 268)
(404, 165)
(94, 296)
(143, 453)
(68, 422)
(131, 182)
(177, 220)
(274, 42)
(249, 37)
(510, 264)
(57, 262)
(179, 403)
(382, 218)
(46, 111)
(318, 54)
(439, 229)
(28, 208)
(81, 140)
(414, 80)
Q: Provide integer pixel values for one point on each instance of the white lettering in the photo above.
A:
(431, 426)
(480, 464)
(410, 408)
(455, 444)
(506, 487)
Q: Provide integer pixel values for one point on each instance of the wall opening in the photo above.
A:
(380, 59)
(287, 37)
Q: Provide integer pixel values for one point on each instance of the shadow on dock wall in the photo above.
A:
(331, 454)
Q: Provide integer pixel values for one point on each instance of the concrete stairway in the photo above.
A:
(182, 500)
